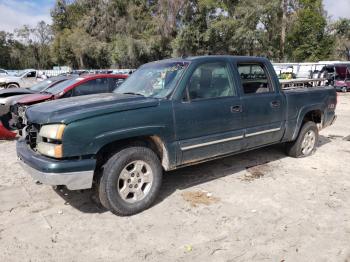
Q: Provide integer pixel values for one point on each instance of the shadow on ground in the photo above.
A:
(87, 201)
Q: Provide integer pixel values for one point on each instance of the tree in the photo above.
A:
(341, 31)
(128, 33)
(308, 39)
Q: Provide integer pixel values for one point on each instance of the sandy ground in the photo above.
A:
(258, 206)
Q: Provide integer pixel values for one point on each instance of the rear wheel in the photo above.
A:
(130, 181)
(306, 143)
(344, 89)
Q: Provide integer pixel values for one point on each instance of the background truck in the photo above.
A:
(169, 114)
(26, 78)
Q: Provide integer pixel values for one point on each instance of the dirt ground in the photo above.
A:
(258, 206)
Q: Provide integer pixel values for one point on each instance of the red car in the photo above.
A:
(76, 86)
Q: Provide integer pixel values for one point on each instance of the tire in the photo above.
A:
(300, 148)
(133, 169)
(344, 89)
(12, 85)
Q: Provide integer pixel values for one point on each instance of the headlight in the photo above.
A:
(52, 131)
(50, 140)
(49, 149)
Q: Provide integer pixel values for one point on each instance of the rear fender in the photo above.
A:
(302, 113)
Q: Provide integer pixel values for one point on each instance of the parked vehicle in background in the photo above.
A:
(10, 96)
(76, 86)
(167, 115)
(337, 75)
(342, 78)
(26, 78)
(3, 72)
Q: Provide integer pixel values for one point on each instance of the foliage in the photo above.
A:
(341, 29)
(128, 33)
(308, 39)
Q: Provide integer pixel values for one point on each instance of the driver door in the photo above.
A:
(209, 118)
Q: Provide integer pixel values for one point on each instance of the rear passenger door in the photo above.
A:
(263, 108)
(208, 118)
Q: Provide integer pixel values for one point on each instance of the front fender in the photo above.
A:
(109, 137)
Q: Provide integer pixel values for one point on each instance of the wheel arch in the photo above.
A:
(153, 142)
(313, 113)
(12, 83)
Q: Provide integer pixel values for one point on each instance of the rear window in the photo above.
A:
(254, 78)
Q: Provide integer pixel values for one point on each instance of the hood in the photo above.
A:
(71, 109)
(8, 79)
(11, 100)
(34, 99)
(14, 91)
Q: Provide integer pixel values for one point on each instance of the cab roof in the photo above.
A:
(211, 58)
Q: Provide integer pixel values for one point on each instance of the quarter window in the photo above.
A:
(254, 79)
(210, 81)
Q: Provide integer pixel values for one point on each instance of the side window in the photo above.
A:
(254, 79)
(68, 94)
(210, 80)
(31, 74)
(116, 82)
(95, 86)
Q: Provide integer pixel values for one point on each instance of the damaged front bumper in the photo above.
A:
(74, 174)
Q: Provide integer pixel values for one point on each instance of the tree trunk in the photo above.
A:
(284, 7)
(81, 62)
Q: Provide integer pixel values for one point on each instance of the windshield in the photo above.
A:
(55, 89)
(153, 80)
(19, 73)
(41, 85)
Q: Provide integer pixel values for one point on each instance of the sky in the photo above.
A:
(16, 13)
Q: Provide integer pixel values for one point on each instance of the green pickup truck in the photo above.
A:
(168, 114)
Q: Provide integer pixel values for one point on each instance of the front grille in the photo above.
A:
(31, 133)
(14, 109)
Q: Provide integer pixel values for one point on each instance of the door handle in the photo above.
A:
(236, 109)
(275, 104)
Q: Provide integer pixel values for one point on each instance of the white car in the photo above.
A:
(3, 72)
(26, 78)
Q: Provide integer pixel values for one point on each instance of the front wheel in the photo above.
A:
(344, 89)
(130, 181)
(306, 143)
(12, 85)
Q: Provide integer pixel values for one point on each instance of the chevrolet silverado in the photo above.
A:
(169, 114)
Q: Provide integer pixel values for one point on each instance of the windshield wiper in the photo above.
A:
(133, 93)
